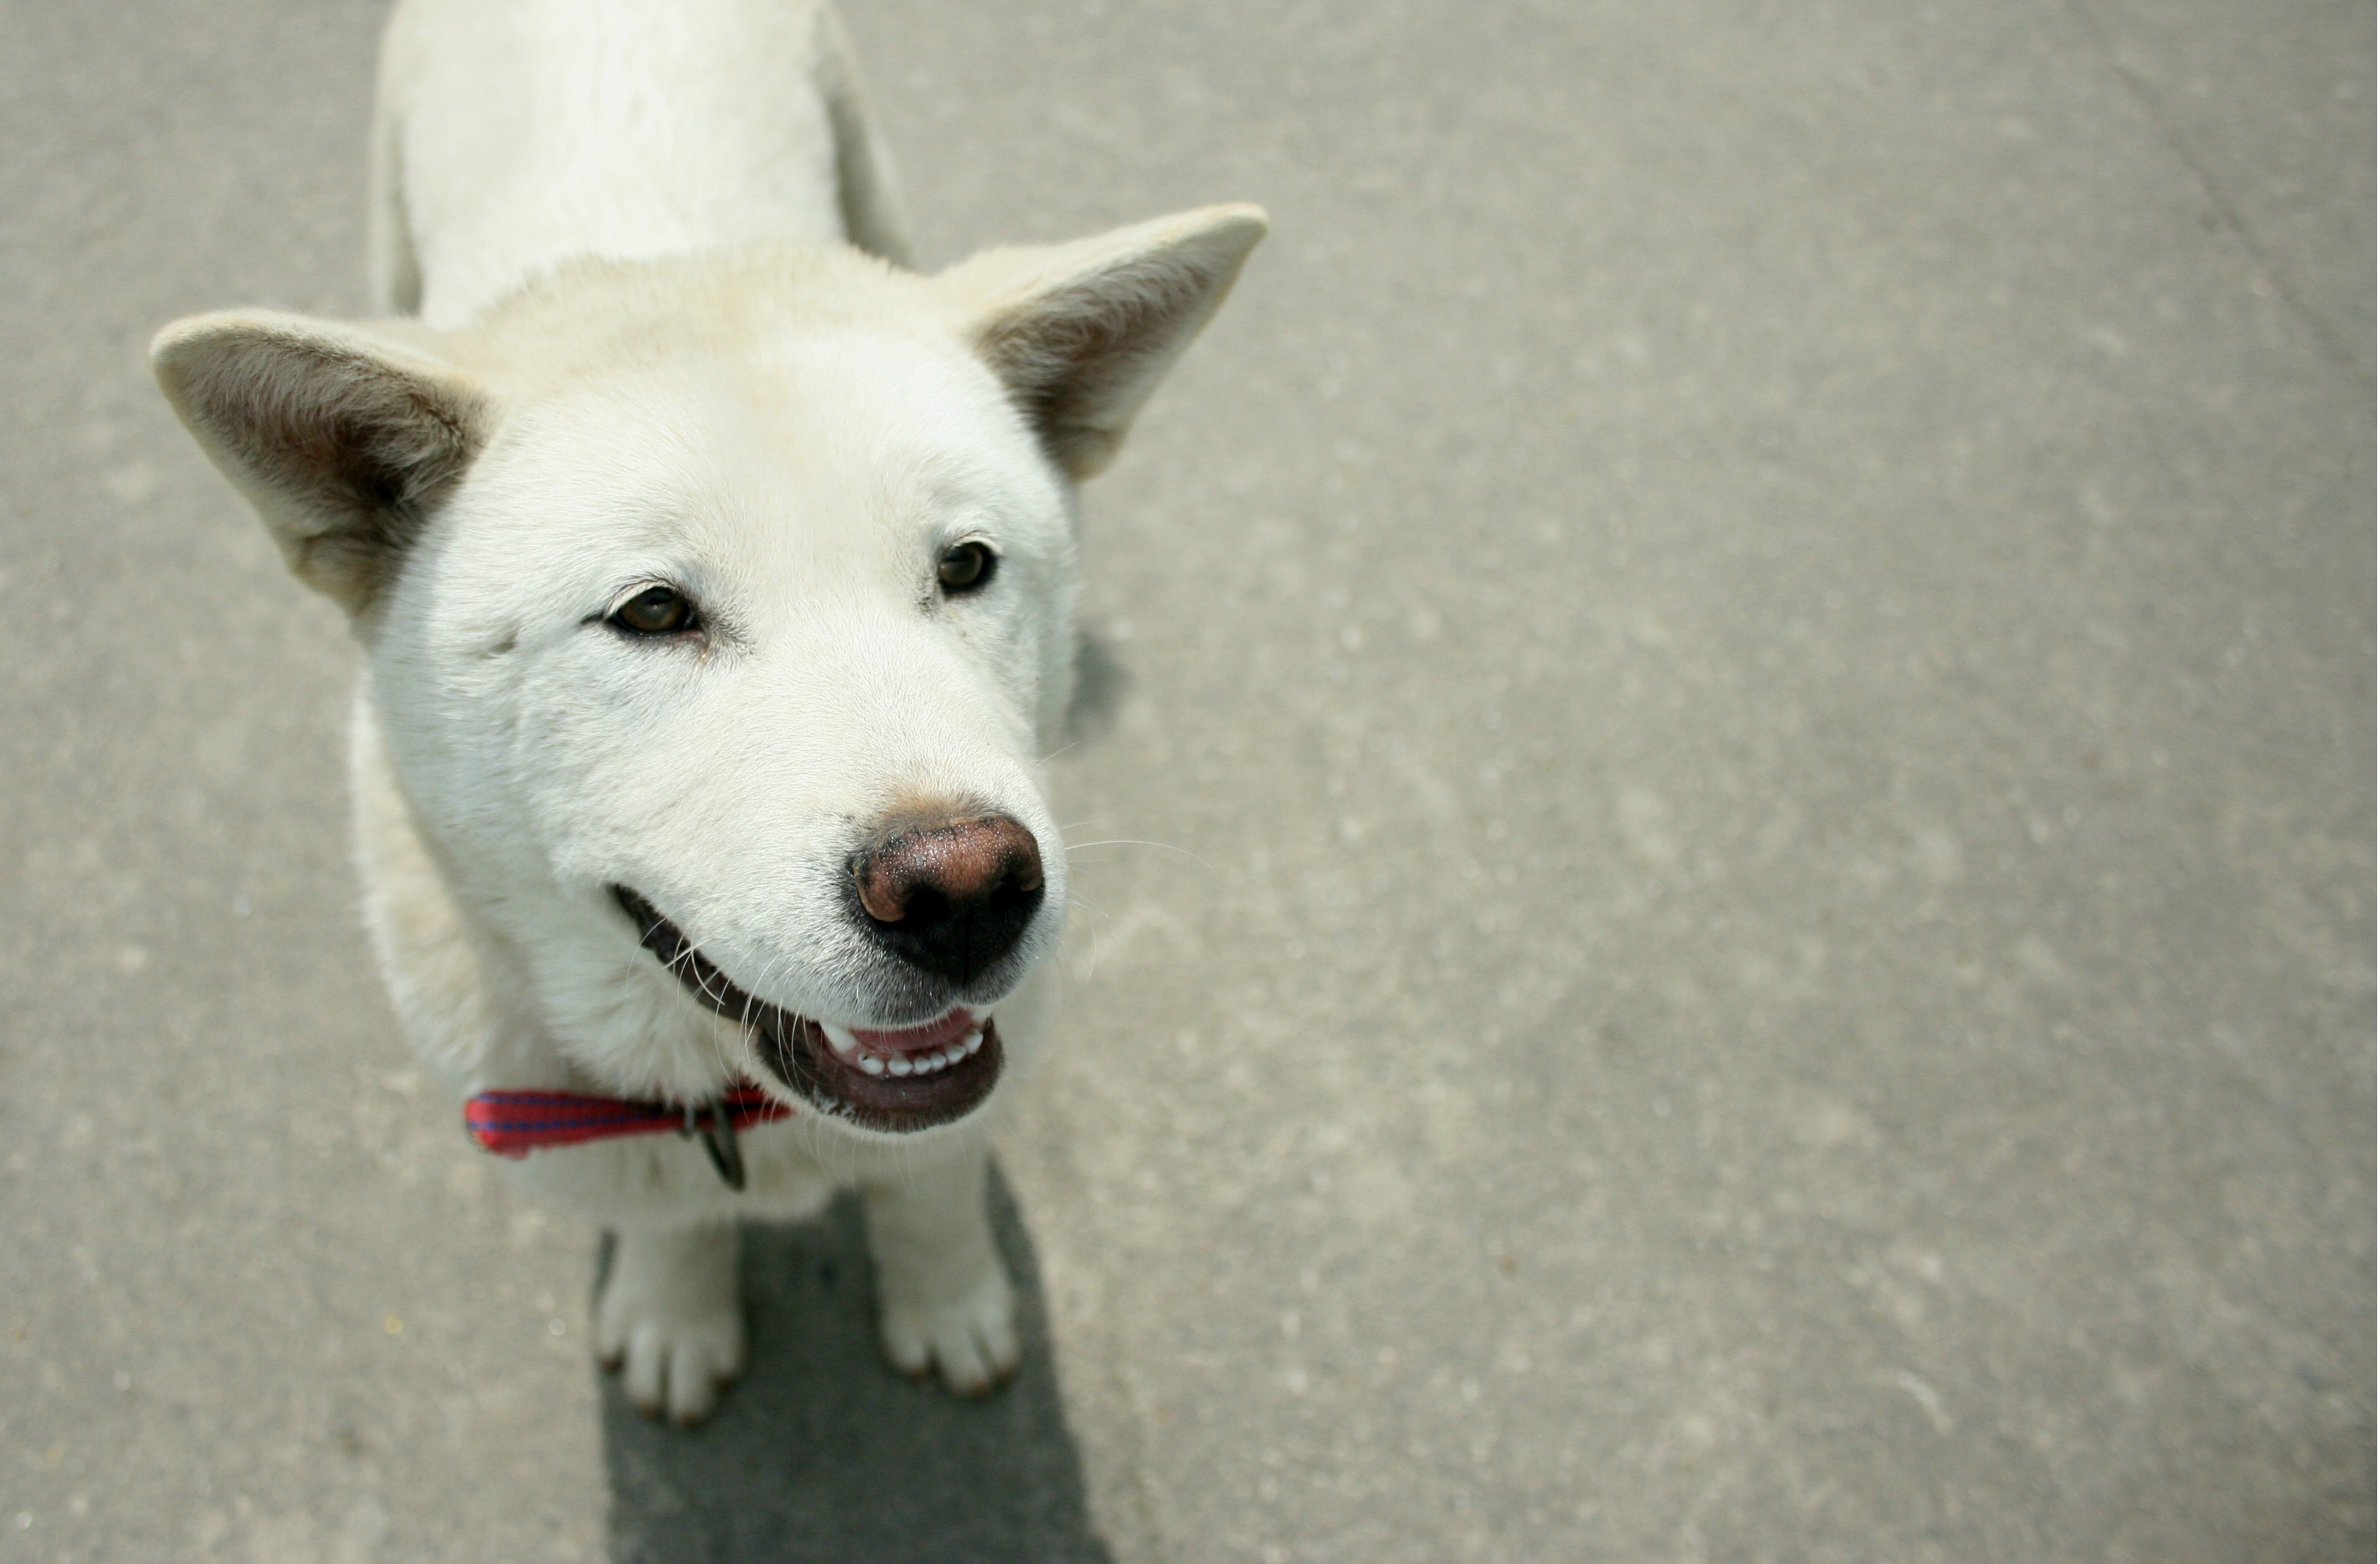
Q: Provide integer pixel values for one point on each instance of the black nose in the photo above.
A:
(951, 897)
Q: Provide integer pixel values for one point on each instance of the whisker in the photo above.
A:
(1127, 841)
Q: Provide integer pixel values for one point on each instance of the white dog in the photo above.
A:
(715, 583)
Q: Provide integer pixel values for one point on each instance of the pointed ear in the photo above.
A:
(1082, 333)
(344, 441)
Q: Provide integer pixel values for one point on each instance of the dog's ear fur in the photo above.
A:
(341, 439)
(1081, 333)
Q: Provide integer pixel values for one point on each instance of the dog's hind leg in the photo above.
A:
(866, 189)
(393, 273)
(944, 1301)
(669, 1318)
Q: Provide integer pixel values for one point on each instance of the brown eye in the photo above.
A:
(966, 566)
(656, 611)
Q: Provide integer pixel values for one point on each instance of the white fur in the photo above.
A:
(647, 352)
(512, 134)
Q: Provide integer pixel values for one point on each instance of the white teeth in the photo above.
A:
(925, 1062)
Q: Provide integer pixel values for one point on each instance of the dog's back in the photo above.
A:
(513, 134)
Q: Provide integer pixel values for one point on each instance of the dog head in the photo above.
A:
(716, 610)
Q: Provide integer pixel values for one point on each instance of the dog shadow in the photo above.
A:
(823, 1453)
(1101, 681)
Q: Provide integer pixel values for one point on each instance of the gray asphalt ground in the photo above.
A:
(1751, 645)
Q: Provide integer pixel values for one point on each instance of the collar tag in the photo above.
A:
(715, 1122)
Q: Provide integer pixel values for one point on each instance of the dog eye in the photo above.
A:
(656, 611)
(967, 566)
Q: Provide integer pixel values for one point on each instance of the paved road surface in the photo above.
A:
(1751, 645)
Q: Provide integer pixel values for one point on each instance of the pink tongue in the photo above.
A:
(932, 1035)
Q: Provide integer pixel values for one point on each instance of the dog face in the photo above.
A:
(697, 639)
(716, 609)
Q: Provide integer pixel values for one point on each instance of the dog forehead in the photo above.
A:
(810, 436)
(825, 399)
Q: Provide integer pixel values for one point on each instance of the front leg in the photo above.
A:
(944, 1299)
(670, 1318)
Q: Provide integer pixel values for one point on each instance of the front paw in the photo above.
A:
(971, 1340)
(670, 1321)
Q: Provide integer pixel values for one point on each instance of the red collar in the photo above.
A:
(515, 1123)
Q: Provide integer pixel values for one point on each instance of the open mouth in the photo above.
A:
(897, 1080)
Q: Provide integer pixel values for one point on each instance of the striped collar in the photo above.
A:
(515, 1123)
